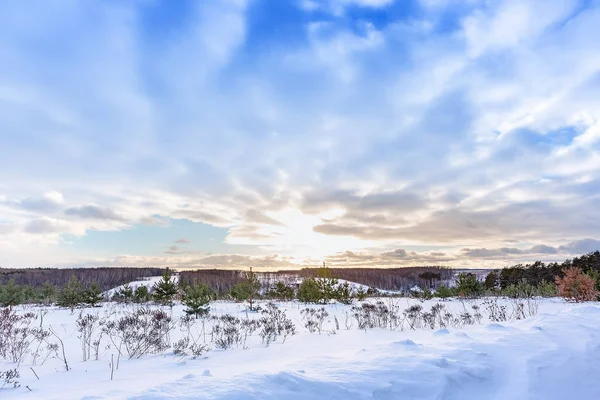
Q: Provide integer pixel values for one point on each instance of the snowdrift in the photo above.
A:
(553, 355)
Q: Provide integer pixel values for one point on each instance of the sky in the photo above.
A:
(283, 133)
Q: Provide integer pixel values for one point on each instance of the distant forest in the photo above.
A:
(381, 278)
(223, 281)
(106, 277)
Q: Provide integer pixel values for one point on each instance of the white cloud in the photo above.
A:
(509, 24)
(409, 133)
(338, 51)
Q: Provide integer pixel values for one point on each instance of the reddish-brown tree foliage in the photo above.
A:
(575, 285)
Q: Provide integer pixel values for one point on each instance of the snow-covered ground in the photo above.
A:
(553, 355)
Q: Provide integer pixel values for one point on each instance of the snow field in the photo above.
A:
(552, 355)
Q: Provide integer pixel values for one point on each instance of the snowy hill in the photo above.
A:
(147, 281)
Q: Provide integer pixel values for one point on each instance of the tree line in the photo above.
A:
(577, 279)
(538, 273)
(105, 277)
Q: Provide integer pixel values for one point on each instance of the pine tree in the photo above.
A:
(141, 294)
(71, 295)
(491, 280)
(30, 294)
(93, 295)
(343, 293)
(443, 291)
(361, 294)
(124, 293)
(309, 291)
(165, 289)
(467, 285)
(196, 298)
(48, 292)
(247, 290)
(282, 291)
(11, 294)
(327, 284)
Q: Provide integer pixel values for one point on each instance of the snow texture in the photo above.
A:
(553, 355)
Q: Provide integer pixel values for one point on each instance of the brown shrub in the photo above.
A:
(576, 285)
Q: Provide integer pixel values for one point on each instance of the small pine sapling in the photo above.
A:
(343, 293)
(196, 298)
(281, 291)
(309, 291)
(11, 294)
(361, 294)
(71, 295)
(141, 294)
(443, 291)
(93, 295)
(327, 284)
(124, 294)
(247, 289)
(165, 289)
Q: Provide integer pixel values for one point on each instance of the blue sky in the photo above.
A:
(278, 134)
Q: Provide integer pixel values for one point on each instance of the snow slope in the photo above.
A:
(553, 355)
(147, 281)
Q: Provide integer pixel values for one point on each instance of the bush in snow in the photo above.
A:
(140, 332)
(428, 320)
(437, 312)
(86, 325)
(378, 315)
(314, 319)
(365, 316)
(226, 332)
(190, 344)
(496, 312)
(274, 323)
(466, 319)
(576, 286)
(187, 347)
(477, 313)
(10, 378)
(17, 335)
(247, 328)
(413, 316)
